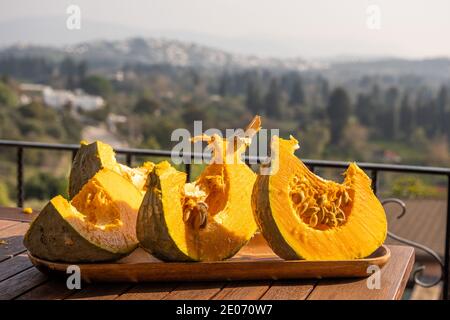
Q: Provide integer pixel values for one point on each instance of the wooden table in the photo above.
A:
(20, 280)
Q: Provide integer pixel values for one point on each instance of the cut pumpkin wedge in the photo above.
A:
(99, 224)
(91, 158)
(303, 216)
(206, 220)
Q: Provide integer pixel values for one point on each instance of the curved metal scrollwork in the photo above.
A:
(418, 271)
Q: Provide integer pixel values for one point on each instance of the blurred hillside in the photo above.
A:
(386, 110)
(112, 55)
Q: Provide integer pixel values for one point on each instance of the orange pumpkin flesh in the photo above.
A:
(303, 216)
(207, 220)
(99, 224)
(91, 158)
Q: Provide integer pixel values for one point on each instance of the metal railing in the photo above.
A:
(373, 168)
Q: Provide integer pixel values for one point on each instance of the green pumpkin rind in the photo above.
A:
(52, 238)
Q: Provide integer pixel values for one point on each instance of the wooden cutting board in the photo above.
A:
(256, 261)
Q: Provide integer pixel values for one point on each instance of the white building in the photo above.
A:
(59, 98)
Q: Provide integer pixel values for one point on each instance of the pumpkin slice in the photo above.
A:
(99, 224)
(207, 220)
(90, 158)
(303, 216)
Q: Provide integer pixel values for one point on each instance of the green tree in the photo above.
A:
(82, 70)
(391, 97)
(254, 97)
(72, 126)
(37, 111)
(392, 122)
(273, 100)
(224, 84)
(364, 110)
(323, 89)
(314, 140)
(98, 115)
(297, 96)
(338, 112)
(68, 68)
(443, 105)
(146, 106)
(354, 141)
(193, 112)
(96, 85)
(7, 96)
(44, 186)
(407, 117)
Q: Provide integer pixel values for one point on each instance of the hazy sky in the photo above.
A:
(314, 28)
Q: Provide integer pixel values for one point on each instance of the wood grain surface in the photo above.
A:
(252, 263)
(20, 280)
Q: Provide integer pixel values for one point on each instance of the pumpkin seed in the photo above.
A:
(319, 204)
(313, 220)
(340, 214)
(302, 196)
(203, 219)
(346, 197)
(195, 213)
(296, 198)
(339, 202)
(333, 221)
(203, 213)
(303, 208)
(311, 211)
(186, 215)
(320, 215)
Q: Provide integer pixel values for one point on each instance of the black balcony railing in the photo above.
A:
(373, 168)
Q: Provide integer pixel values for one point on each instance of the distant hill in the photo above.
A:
(438, 68)
(51, 30)
(150, 51)
(113, 54)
